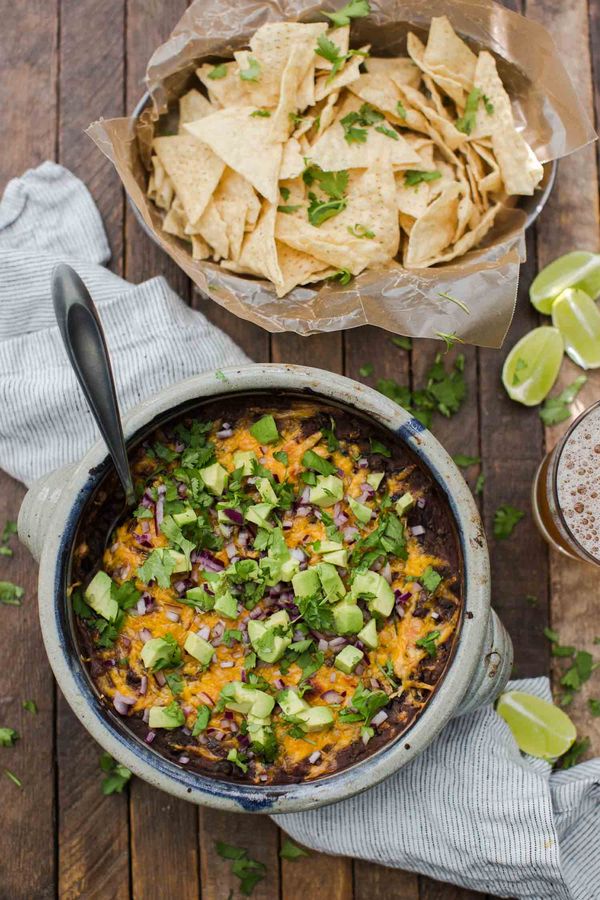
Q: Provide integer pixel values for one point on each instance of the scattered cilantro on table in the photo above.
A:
(10, 529)
(10, 594)
(116, 775)
(8, 737)
(573, 754)
(557, 409)
(12, 777)
(506, 518)
(249, 871)
(291, 851)
(30, 706)
(464, 461)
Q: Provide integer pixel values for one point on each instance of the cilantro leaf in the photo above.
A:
(334, 184)
(249, 871)
(320, 211)
(332, 53)
(260, 114)
(466, 123)
(355, 9)
(202, 720)
(360, 231)
(378, 447)
(479, 484)
(594, 706)
(574, 754)
(464, 461)
(400, 110)
(281, 456)
(399, 340)
(158, 566)
(314, 461)
(291, 851)
(388, 132)
(364, 705)
(288, 210)
(30, 706)
(344, 276)
(430, 579)
(175, 682)
(218, 72)
(366, 370)
(8, 736)
(252, 73)
(12, 777)
(556, 409)
(316, 612)
(117, 775)
(506, 518)
(412, 177)
(429, 642)
(10, 528)
(10, 594)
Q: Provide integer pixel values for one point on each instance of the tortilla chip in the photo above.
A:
(213, 229)
(292, 163)
(491, 182)
(241, 141)
(341, 38)
(332, 152)
(371, 204)
(468, 240)
(520, 169)
(446, 82)
(412, 200)
(450, 135)
(259, 253)
(400, 69)
(326, 85)
(300, 61)
(328, 112)
(231, 198)
(434, 230)
(448, 55)
(192, 106)
(174, 223)
(296, 268)
(192, 167)
(200, 249)
(229, 90)
(272, 45)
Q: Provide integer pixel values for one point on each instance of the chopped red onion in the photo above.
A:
(150, 737)
(143, 685)
(243, 676)
(379, 718)
(314, 757)
(227, 665)
(305, 495)
(417, 530)
(205, 698)
(184, 759)
(172, 616)
(332, 678)
(141, 607)
(224, 433)
(421, 502)
(363, 463)
(256, 613)
(234, 516)
(145, 526)
(263, 778)
(303, 511)
(279, 684)
(374, 684)
(226, 530)
(160, 679)
(233, 727)
(146, 716)
(204, 632)
(332, 697)
(386, 573)
(350, 533)
(435, 615)
(337, 642)
(359, 670)
(145, 635)
(243, 538)
(298, 554)
(323, 646)
(122, 703)
(182, 490)
(217, 735)
(159, 512)
(210, 562)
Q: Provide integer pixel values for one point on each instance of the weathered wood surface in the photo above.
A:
(64, 63)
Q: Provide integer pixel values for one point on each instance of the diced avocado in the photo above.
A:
(154, 650)
(245, 699)
(328, 490)
(306, 583)
(199, 596)
(259, 514)
(291, 703)
(288, 569)
(404, 503)
(332, 584)
(368, 635)
(362, 512)
(316, 718)
(215, 478)
(348, 618)
(374, 479)
(375, 589)
(337, 558)
(98, 596)
(265, 489)
(348, 659)
(259, 729)
(267, 644)
(265, 430)
(262, 706)
(165, 717)
(199, 648)
(182, 563)
(186, 517)
(329, 546)
(226, 604)
(244, 459)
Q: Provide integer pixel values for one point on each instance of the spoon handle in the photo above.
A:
(83, 337)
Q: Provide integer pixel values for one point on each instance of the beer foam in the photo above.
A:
(578, 483)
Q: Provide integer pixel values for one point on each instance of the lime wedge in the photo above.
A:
(579, 269)
(531, 367)
(539, 728)
(577, 318)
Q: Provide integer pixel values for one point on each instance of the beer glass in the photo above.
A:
(566, 491)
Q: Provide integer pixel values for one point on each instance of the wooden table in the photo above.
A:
(64, 63)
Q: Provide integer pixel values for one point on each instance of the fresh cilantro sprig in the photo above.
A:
(8, 736)
(556, 409)
(443, 392)
(428, 643)
(413, 177)
(291, 851)
(10, 528)
(249, 871)
(364, 705)
(116, 775)
(10, 594)
(466, 123)
(355, 124)
(506, 518)
(355, 9)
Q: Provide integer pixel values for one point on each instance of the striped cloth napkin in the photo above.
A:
(471, 809)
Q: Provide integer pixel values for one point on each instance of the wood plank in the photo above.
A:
(371, 881)
(27, 860)
(93, 831)
(437, 890)
(572, 221)
(163, 830)
(253, 340)
(256, 834)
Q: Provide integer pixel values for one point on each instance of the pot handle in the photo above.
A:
(494, 668)
(38, 507)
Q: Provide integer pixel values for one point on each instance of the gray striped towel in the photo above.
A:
(471, 809)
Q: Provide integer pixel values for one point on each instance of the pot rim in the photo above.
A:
(174, 778)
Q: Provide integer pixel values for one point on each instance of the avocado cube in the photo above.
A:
(215, 478)
(332, 584)
(199, 596)
(265, 489)
(98, 596)
(291, 703)
(328, 490)
(262, 705)
(288, 569)
(337, 558)
(161, 717)
(154, 650)
(348, 618)
(306, 583)
(368, 635)
(186, 517)
(259, 514)
(362, 512)
(348, 659)
(404, 504)
(267, 644)
(245, 459)
(259, 729)
(226, 604)
(199, 648)
(182, 563)
(374, 479)
(316, 718)
(375, 589)
(329, 546)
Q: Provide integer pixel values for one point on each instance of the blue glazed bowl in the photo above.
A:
(48, 523)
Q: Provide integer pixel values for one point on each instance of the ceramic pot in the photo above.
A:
(478, 671)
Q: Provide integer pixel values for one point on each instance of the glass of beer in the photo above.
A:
(566, 491)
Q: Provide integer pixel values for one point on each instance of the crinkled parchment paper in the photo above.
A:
(406, 302)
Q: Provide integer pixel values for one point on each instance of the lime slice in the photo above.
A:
(579, 269)
(539, 728)
(531, 367)
(577, 318)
